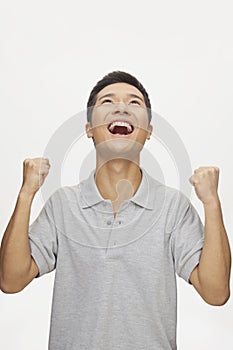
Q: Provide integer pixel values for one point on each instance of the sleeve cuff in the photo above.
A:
(39, 258)
(192, 262)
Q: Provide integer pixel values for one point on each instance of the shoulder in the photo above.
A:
(171, 196)
(171, 202)
(65, 194)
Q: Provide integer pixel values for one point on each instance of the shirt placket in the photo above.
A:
(116, 230)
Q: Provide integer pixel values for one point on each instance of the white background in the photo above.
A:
(52, 54)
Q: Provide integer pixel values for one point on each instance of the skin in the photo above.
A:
(117, 158)
(211, 278)
(17, 267)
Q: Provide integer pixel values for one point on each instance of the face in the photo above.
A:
(119, 120)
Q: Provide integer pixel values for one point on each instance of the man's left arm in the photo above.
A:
(211, 278)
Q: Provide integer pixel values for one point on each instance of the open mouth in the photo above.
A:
(120, 128)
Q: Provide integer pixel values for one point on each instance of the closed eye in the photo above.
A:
(133, 101)
(107, 100)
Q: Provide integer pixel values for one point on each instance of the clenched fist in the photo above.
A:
(35, 171)
(205, 182)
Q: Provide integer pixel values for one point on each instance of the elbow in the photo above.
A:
(224, 300)
(9, 290)
(220, 301)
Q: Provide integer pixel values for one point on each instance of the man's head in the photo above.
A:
(119, 114)
(112, 78)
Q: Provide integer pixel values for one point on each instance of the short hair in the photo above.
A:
(112, 78)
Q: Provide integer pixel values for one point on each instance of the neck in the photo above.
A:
(118, 179)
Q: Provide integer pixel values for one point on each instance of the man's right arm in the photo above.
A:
(17, 267)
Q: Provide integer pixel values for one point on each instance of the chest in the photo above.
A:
(135, 251)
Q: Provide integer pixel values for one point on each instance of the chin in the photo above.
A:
(119, 148)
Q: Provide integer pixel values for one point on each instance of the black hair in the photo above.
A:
(112, 78)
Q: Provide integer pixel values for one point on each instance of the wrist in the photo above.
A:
(26, 194)
(212, 203)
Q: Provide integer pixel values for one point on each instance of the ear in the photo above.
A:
(150, 129)
(89, 130)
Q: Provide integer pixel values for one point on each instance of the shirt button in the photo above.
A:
(119, 222)
(108, 222)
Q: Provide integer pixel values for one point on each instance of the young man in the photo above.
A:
(119, 237)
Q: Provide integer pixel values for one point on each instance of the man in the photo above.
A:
(119, 237)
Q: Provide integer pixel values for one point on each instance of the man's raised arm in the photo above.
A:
(17, 267)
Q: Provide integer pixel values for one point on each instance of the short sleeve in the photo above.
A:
(187, 241)
(43, 240)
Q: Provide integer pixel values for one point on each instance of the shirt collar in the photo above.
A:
(143, 197)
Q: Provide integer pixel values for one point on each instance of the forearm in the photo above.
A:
(15, 256)
(215, 263)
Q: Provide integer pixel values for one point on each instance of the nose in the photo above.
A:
(121, 108)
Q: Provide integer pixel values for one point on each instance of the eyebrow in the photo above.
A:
(129, 95)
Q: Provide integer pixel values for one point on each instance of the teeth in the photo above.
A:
(129, 128)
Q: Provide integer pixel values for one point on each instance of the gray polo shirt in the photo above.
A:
(115, 278)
